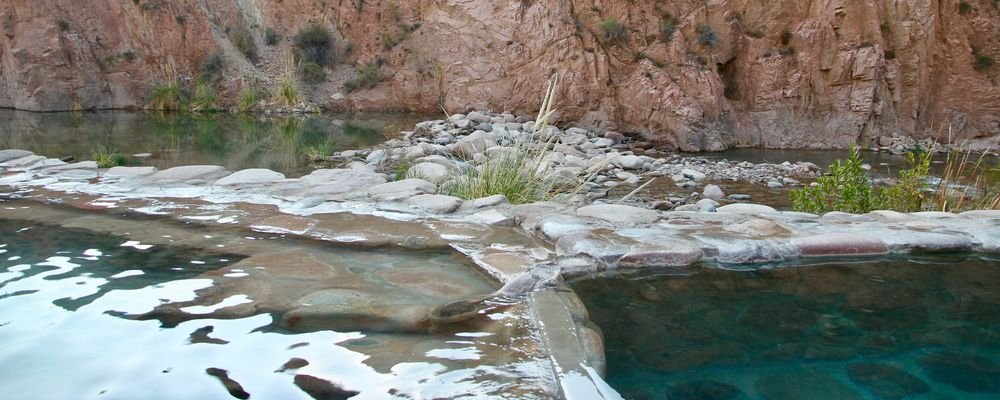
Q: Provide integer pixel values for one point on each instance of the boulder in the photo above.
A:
(13, 154)
(400, 190)
(587, 244)
(493, 217)
(475, 143)
(435, 203)
(746, 208)
(490, 201)
(478, 117)
(693, 175)
(629, 162)
(713, 192)
(555, 226)
(673, 253)
(341, 180)
(757, 227)
(707, 205)
(429, 171)
(250, 176)
(22, 162)
(619, 214)
(129, 172)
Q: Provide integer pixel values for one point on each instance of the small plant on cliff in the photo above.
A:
(211, 68)
(964, 7)
(168, 95)
(204, 98)
(271, 37)
(613, 30)
(984, 62)
(312, 73)
(313, 45)
(707, 36)
(63, 25)
(368, 77)
(244, 42)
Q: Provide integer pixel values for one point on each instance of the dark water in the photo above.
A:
(69, 329)
(235, 141)
(889, 329)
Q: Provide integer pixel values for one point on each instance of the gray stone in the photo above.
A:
(22, 162)
(839, 244)
(65, 167)
(572, 138)
(475, 143)
(490, 201)
(663, 205)
(189, 172)
(429, 171)
(13, 154)
(740, 197)
(341, 180)
(129, 172)
(493, 217)
(435, 203)
(555, 226)
(587, 244)
(926, 241)
(603, 143)
(376, 157)
(673, 253)
(757, 227)
(746, 208)
(629, 162)
(713, 192)
(619, 214)
(400, 190)
(48, 163)
(77, 174)
(775, 185)
(693, 175)
(707, 205)
(250, 176)
(478, 117)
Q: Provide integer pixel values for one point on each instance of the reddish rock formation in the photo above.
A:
(693, 75)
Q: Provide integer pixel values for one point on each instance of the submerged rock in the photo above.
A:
(321, 389)
(886, 381)
(966, 372)
(839, 244)
(619, 214)
(704, 390)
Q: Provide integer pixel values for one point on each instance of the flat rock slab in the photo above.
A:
(399, 190)
(429, 171)
(13, 154)
(91, 165)
(675, 253)
(587, 244)
(745, 208)
(555, 226)
(839, 244)
(926, 241)
(22, 162)
(435, 203)
(76, 174)
(189, 172)
(758, 227)
(493, 217)
(250, 177)
(619, 214)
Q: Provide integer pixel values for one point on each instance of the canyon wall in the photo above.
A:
(685, 74)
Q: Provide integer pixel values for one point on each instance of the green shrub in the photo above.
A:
(211, 67)
(787, 51)
(313, 44)
(368, 77)
(964, 7)
(403, 170)
(667, 30)
(204, 98)
(786, 37)
(983, 62)
(248, 98)
(244, 42)
(312, 73)
(846, 188)
(166, 96)
(271, 37)
(63, 25)
(907, 194)
(707, 36)
(107, 158)
(613, 30)
(287, 92)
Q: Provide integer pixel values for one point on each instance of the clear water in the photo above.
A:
(235, 141)
(74, 324)
(891, 329)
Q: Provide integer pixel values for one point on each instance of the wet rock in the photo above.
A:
(493, 217)
(200, 335)
(740, 197)
(490, 201)
(803, 384)
(321, 389)
(13, 154)
(886, 381)
(347, 310)
(341, 180)
(704, 390)
(775, 185)
(400, 190)
(250, 176)
(966, 372)
(22, 162)
(292, 364)
(834, 244)
(234, 388)
(673, 253)
(189, 172)
(746, 208)
(707, 205)
(629, 162)
(83, 165)
(129, 172)
(662, 205)
(601, 250)
(77, 174)
(758, 227)
(926, 242)
(435, 203)
(556, 226)
(693, 175)
(619, 214)
(713, 192)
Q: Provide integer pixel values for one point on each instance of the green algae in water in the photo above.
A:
(891, 329)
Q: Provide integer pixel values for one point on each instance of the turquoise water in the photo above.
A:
(74, 324)
(235, 141)
(924, 329)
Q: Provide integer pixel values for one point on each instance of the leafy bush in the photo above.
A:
(983, 62)
(313, 43)
(204, 97)
(368, 77)
(613, 30)
(907, 194)
(964, 7)
(847, 188)
(166, 96)
(312, 73)
(244, 42)
(707, 36)
(271, 37)
(63, 25)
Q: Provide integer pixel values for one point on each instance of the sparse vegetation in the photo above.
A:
(667, 30)
(613, 30)
(787, 51)
(312, 73)
(245, 43)
(63, 25)
(984, 62)
(313, 45)
(287, 92)
(204, 98)
(786, 37)
(966, 183)
(756, 34)
(211, 67)
(167, 95)
(271, 37)
(107, 158)
(890, 54)
(368, 77)
(707, 36)
(964, 7)
(249, 95)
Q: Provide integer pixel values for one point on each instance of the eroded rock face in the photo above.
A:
(687, 74)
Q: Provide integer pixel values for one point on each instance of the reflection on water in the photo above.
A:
(235, 141)
(890, 329)
(69, 301)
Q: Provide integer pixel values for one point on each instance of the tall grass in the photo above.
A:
(249, 95)
(107, 158)
(167, 95)
(521, 172)
(287, 92)
(204, 97)
(966, 183)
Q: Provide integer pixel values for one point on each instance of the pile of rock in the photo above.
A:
(899, 144)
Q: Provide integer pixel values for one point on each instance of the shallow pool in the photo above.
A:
(82, 316)
(898, 329)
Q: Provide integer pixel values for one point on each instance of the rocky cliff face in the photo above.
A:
(687, 74)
